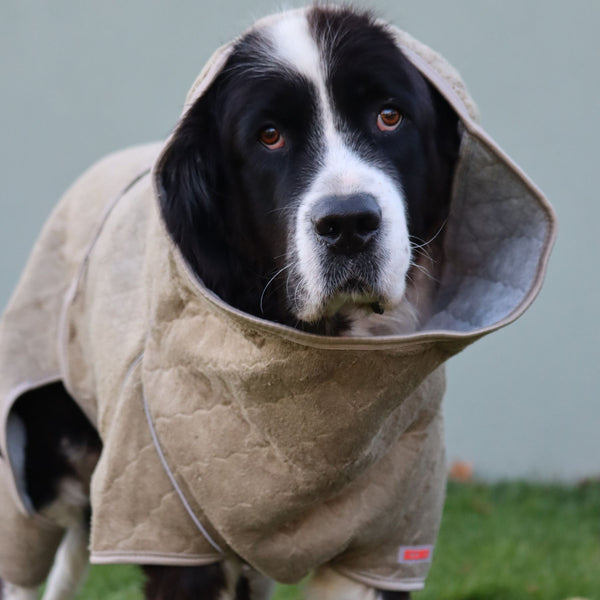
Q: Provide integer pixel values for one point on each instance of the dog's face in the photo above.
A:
(296, 183)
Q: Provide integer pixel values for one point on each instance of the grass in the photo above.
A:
(518, 542)
(509, 541)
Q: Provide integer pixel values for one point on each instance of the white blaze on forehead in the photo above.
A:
(295, 46)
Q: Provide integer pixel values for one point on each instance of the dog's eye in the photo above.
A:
(271, 138)
(389, 119)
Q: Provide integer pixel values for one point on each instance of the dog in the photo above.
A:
(308, 186)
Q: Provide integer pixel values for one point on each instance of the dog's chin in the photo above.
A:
(357, 310)
(331, 301)
(351, 297)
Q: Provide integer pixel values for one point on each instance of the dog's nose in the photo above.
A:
(346, 223)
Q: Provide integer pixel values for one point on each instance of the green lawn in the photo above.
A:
(512, 541)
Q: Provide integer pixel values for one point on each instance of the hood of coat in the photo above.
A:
(498, 235)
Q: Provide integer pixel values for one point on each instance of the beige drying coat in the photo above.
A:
(227, 434)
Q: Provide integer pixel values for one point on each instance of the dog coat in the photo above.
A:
(227, 434)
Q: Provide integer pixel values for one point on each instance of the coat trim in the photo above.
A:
(153, 558)
(169, 473)
(406, 584)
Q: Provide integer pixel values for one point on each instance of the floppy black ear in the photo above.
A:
(193, 203)
(444, 156)
(447, 132)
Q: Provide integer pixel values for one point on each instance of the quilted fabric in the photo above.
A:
(224, 433)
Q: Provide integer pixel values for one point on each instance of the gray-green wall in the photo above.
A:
(79, 79)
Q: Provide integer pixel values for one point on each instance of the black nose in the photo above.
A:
(346, 223)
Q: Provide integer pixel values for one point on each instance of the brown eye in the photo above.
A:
(271, 138)
(389, 119)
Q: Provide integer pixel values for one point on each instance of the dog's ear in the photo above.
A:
(447, 131)
(201, 204)
(192, 195)
(444, 156)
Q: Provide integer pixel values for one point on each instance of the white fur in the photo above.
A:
(341, 173)
(402, 319)
(72, 557)
(326, 584)
(70, 565)
(13, 592)
(295, 48)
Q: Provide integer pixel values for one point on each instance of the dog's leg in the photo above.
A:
(70, 565)
(216, 581)
(252, 585)
(387, 595)
(61, 450)
(8, 591)
(227, 580)
(326, 584)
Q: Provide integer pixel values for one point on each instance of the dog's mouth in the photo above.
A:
(342, 305)
(354, 293)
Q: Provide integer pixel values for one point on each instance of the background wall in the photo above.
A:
(80, 79)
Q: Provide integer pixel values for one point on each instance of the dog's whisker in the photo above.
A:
(269, 283)
(287, 285)
(280, 209)
(423, 270)
(423, 244)
(425, 254)
(414, 288)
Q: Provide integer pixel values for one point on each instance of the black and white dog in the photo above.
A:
(309, 185)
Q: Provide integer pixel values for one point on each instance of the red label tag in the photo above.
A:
(416, 554)
(412, 554)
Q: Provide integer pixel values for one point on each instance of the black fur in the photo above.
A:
(387, 595)
(54, 424)
(184, 583)
(242, 589)
(226, 195)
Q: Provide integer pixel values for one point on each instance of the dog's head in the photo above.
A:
(299, 183)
